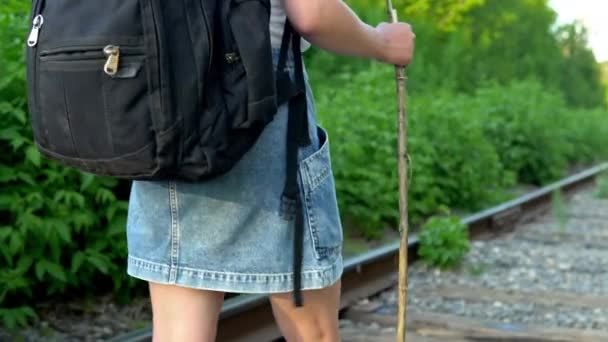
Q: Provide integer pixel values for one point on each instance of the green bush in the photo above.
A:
(466, 167)
(586, 132)
(452, 163)
(465, 150)
(525, 122)
(61, 231)
(444, 241)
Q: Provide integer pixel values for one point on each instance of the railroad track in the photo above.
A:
(249, 318)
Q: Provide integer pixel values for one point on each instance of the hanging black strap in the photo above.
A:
(297, 136)
(286, 88)
(300, 103)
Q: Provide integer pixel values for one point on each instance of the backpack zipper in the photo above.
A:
(36, 26)
(37, 22)
(112, 53)
(32, 55)
(92, 51)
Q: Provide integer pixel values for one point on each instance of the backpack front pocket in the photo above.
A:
(99, 100)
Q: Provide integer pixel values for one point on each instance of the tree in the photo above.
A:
(581, 77)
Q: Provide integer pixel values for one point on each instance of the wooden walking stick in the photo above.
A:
(403, 224)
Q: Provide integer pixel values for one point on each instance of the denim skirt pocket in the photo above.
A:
(320, 204)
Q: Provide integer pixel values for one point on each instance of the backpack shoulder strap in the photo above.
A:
(297, 136)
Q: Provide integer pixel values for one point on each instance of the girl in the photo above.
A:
(194, 242)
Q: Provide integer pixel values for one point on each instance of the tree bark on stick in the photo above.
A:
(401, 79)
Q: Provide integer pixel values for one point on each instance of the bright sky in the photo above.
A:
(593, 14)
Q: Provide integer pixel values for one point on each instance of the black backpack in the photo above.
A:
(157, 89)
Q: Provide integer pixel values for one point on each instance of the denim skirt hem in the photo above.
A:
(252, 283)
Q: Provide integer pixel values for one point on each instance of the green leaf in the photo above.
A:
(28, 221)
(29, 312)
(20, 115)
(104, 196)
(60, 196)
(35, 201)
(9, 134)
(77, 261)
(9, 319)
(5, 232)
(82, 219)
(33, 155)
(100, 264)
(78, 199)
(7, 174)
(40, 270)
(63, 230)
(70, 198)
(24, 264)
(117, 226)
(86, 179)
(19, 283)
(56, 271)
(16, 243)
(111, 211)
(17, 143)
(26, 178)
(7, 200)
(8, 257)
(13, 317)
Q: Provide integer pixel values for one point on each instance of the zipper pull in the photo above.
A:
(37, 24)
(112, 52)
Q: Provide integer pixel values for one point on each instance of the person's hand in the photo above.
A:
(396, 43)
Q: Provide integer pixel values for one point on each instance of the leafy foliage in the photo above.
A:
(462, 44)
(452, 162)
(523, 121)
(585, 133)
(520, 122)
(444, 241)
(14, 317)
(465, 150)
(581, 76)
(61, 231)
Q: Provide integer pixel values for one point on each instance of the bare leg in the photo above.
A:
(183, 314)
(316, 321)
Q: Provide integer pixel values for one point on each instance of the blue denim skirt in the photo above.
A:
(229, 233)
